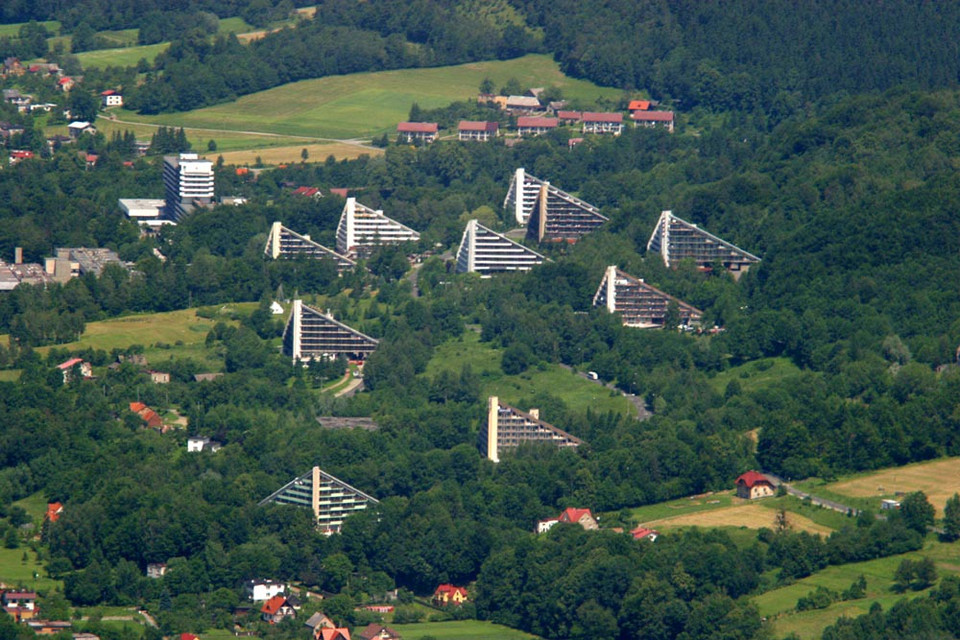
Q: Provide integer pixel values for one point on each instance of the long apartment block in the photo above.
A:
(486, 252)
(361, 229)
(311, 333)
(331, 500)
(507, 428)
(675, 239)
(285, 243)
(638, 303)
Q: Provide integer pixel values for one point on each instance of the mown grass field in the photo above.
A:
(13, 30)
(577, 392)
(749, 515)
(292, 154)
(460, 630)
(939, 479)
(366, 104)
(14, 572)
(35, 505)
(121, 56)
(780, 604)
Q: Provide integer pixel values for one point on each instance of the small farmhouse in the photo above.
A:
(752, 485)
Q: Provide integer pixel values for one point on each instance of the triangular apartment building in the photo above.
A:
(484, 251)
(675, 239)
(508, 427)
(330, 499)
(310, 334)
(638, 303)
(525, 194)
(284, 243)
(558, 216)
(361, 229)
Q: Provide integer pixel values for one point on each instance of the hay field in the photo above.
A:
(752, 516)
(939, 479)
(291, 154)
(363, 105)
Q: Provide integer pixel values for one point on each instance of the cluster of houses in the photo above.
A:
(22, 607)
(534, 118)
(586, 520)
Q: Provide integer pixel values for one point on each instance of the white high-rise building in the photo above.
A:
(361, 229)
(485, 251)
(522, 195)
(188, 181)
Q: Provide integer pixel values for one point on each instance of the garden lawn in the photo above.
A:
(363, 105)
(460, 630)
(14, 572)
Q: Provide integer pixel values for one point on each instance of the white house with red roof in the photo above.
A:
(67, 369)
(474, 130)
(570, 515)
(20, 605)
(752, 485)
(276, 609)
(602, 122)
(663, 119)
(417, 131)
(643, 533)
(111, 98)
(336, 633)
(449, 594)
(535, 125)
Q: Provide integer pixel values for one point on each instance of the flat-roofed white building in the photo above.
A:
(142, 209)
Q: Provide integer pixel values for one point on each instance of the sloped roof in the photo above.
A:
(638, 105)
(753, 478)
(472, 125)
(273, 605)
(339, 633)
(643, 532)
(652, 116)
(69, 363)
(537, 121)
(450, 590)
(572, 514)
(417, 127)
(589, 116)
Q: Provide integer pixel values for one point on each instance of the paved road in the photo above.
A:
(643, 412)
(820, 502)
(355, 386)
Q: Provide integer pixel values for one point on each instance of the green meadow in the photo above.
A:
(13, 30)
(121, 57)
(577, 392)
(755, 375)
(460, 630)
(363, 105)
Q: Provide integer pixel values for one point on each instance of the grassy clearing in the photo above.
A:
(15, 572)
(779, 604)
(13, 30)
(35, 505)
(578, 393)
(121, 38)
(755, 375)
(367, 104)
(683, 507)
(226, 140)
(939, 479)
(292, 154)
(10, 375)
(121, 57)
(460, 630)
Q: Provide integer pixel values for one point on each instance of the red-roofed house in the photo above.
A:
(417, 131)
(67, 368)
(582, 517)
(569, 117)
(276, 609)
(338, 191)
(638, 105)
(752, 485)
(338, 633)
(18, 154)
(54, 509)
(482, 131)
(309, 192)
(449, 594)
(66, 83)
(572, 142)
(375, 631)
(641, 533)
(602, 122)
(535, 125)
(20, 605)
(188, 636)
(653, 119)
(147, 414)
(111, 98)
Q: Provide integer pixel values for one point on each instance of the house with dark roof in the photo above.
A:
(752, 485)
(20, 605)
(417, 131)
(447, 594)
(480, 131)
(317, 622)
(602, 122)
